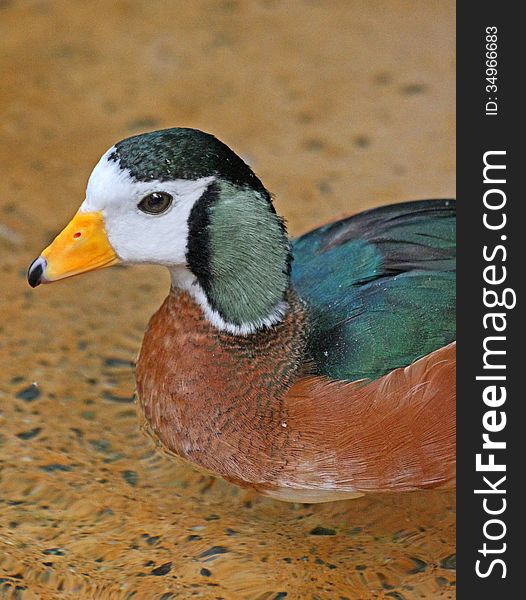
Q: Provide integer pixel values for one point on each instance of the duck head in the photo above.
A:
(182, 199)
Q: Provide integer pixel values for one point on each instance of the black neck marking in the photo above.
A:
(198, 250)
(239, 252)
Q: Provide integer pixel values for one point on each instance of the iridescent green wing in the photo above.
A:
(380, 287)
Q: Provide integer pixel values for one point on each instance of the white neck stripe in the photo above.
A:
(183, 279)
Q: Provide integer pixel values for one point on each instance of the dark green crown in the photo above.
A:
(182, 153)
(237, 245)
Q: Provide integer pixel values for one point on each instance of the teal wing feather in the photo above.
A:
(380, 287)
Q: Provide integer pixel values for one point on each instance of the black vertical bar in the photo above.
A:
(487, 120)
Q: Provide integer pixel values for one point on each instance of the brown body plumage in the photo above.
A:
(285, 367)
(246, 408)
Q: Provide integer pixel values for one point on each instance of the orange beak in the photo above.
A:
(81, 246)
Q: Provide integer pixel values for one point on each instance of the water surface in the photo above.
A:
(338, 110)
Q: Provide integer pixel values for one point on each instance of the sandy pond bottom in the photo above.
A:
(338, 109)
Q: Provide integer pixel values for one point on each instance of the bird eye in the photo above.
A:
(155, 203)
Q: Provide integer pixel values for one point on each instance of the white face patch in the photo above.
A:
(138, 237)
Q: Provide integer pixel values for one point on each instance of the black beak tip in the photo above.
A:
(35, 271)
